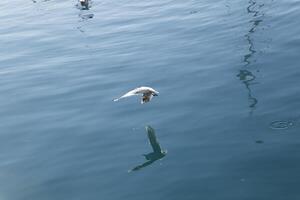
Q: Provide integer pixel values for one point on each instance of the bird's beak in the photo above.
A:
(155, 94)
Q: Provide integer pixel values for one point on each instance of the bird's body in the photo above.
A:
(146, 92)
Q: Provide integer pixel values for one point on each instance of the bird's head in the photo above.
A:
(155, 94)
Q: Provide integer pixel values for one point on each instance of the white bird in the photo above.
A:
(147, 93)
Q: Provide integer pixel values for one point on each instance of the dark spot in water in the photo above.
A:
(281, 124)
(259, 141)
(194, 12)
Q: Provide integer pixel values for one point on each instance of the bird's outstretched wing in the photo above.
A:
(128, 94)
(145, 164)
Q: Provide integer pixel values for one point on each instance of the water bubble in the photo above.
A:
(281, 124)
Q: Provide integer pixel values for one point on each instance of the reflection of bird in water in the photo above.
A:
(84, 4)
(147, 93)
(157, 153)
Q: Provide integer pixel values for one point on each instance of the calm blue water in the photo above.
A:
(227, 114)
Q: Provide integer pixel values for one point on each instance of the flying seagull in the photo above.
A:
(146, 92)
(157, 153)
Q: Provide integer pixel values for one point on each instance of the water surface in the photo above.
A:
(227, 114)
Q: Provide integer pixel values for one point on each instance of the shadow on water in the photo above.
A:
(246, 75)
(157, 153)
(84, 6)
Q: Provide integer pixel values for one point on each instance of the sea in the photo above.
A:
(225, 125)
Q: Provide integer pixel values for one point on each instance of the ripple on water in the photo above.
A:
(281, 124)
(86, 16)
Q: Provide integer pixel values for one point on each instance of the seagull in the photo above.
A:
(157, 153)
(147, 93)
